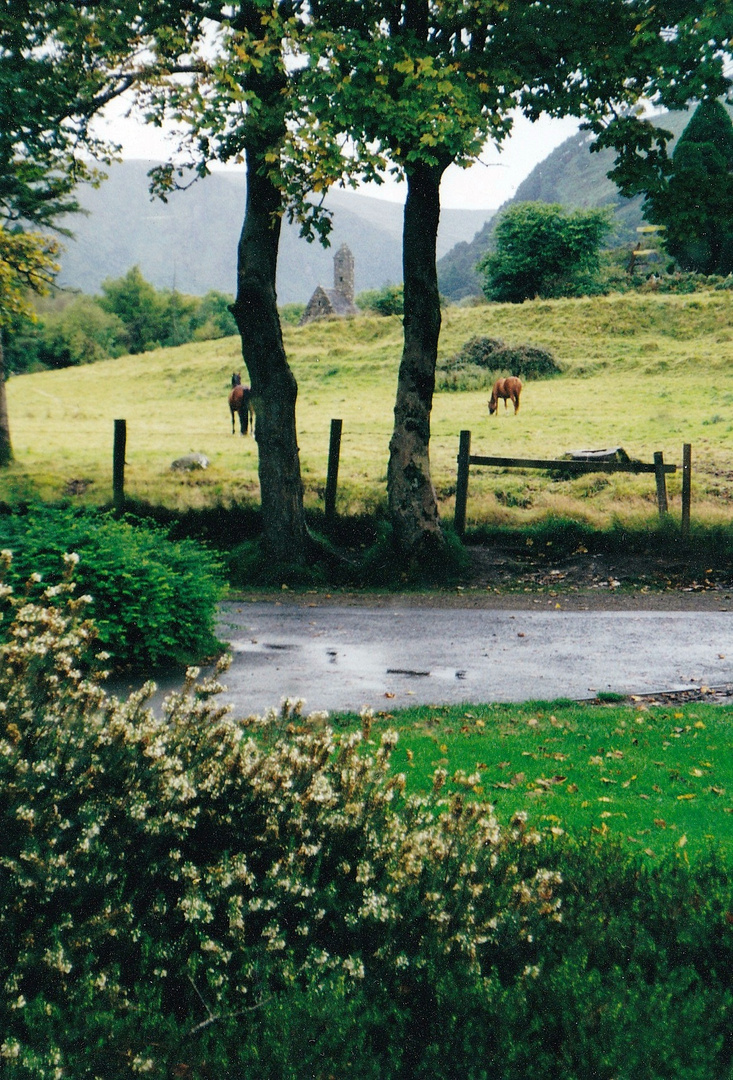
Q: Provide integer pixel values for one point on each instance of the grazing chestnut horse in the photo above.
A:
(509, 389)
(240, 401)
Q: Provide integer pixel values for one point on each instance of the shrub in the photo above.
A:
(154, 601)
(527, 361)
(541, 249)
(180, 894)
(290, 314)
(80, 332)
(389, 300)
(482, 359)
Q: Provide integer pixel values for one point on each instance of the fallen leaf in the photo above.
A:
(690, 795)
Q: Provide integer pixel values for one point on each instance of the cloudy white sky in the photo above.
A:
(486, 185)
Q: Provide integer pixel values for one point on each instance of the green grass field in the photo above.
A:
(659, 779)
(645, 372)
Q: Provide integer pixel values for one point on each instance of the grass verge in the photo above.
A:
(657, 779)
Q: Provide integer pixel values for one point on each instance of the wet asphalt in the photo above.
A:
(339, 658)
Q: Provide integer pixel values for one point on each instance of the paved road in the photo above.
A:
(341, 658)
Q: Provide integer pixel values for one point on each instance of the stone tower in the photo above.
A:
(343, 273)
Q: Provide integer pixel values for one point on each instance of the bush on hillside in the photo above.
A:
(542, 250)
(290, 314)
(389, 300)
(482, 359)
(153, 601)
(179, 895)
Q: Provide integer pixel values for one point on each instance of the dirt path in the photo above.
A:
(510, 579)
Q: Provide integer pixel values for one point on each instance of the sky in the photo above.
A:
(483, 186)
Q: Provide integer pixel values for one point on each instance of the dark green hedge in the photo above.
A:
(154, 601)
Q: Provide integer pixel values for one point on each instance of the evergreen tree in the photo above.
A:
(696, 204)
(689, 193)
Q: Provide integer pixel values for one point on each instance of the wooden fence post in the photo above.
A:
(118, 464)
(661, 483)
(464, 452)
(686, 488)
(334, 452)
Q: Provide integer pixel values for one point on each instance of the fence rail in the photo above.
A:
(573, 465)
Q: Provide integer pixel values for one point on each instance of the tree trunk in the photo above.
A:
(413, 504)
(6, 449)
(273, 384)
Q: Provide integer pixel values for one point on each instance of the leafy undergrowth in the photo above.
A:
(659, 779)
(188, 895)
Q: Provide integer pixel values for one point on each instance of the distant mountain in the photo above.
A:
(570, 175)
(190, 242)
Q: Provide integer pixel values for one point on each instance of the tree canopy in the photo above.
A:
(541, 249)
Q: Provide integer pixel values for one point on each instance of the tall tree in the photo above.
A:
(60, 63)
(692, 194)
(26, 266)
(432, 80)
(239, 105)
(253, 97)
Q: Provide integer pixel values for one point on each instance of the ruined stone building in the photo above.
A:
(339, 300)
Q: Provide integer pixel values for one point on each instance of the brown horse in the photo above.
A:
(240, 401)
(509, 388)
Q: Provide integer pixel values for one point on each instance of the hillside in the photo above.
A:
(629, 363)
(570, 175)
(190, 242)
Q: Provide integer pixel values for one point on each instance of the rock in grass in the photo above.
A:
(190, 462)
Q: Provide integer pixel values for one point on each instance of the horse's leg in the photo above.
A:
(243, 419)
(231, 410)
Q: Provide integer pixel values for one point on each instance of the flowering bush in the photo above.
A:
(153, 600)
(183, 894)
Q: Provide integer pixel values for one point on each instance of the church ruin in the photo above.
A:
(339, 300)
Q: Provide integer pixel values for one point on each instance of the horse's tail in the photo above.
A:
(245, 409)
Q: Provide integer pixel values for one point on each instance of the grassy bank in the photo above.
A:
(645, 372)
(657, 779)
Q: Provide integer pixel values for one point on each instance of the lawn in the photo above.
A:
(660, 779)
(646, 372)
